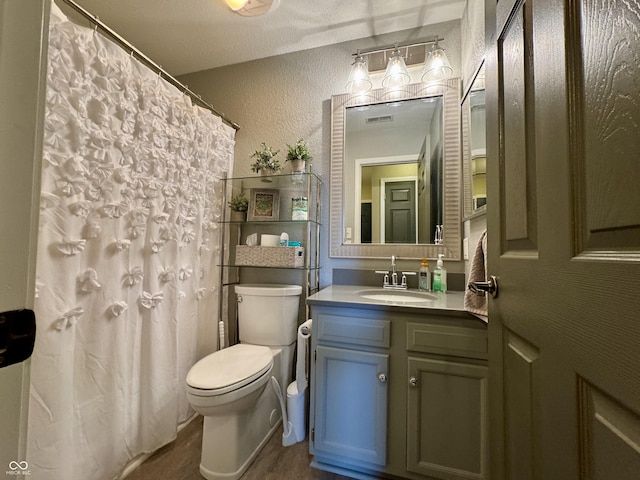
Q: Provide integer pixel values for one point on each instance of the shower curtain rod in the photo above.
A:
(125, 45)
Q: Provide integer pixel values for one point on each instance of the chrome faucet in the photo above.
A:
(392, 282)
(394, 273)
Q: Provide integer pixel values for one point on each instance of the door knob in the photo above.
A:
(413, 382)
(382, 377)
(490, 286)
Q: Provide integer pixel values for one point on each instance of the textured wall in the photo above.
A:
(280, 99)
(472, 36)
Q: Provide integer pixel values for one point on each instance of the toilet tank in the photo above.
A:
(268, 313)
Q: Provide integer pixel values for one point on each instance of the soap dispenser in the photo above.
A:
(440, 276)
(424, 278)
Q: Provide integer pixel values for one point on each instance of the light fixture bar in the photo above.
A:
(395, 46)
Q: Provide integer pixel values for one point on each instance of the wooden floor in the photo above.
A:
(180, 460)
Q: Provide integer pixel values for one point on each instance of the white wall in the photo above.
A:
(21, 113)
(280, 99)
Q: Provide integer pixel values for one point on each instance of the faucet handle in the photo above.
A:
(404, 278)
(385, 281)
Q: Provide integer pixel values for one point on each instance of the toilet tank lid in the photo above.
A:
(236, 365)
(268, 290)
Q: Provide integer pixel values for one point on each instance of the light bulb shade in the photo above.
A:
(359, 80)
(236, 5)
(437, 66)
(396, 74)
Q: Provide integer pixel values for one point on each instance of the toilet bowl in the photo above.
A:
(233, 378)
(228, 387)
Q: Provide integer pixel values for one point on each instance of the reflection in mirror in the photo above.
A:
(365, 167)
(474, 147)
(393, 171)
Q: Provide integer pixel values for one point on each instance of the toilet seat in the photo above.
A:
(229, 369)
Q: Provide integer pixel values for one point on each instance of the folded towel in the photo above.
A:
(477, 303)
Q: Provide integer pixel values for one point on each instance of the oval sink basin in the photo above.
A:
(396, 296)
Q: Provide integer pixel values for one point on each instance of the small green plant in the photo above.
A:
(299, 151)
(239, 202)
(265, 159)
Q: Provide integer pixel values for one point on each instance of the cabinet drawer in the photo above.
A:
(354, 330)
(447, 340)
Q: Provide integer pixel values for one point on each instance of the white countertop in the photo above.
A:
(347, 296)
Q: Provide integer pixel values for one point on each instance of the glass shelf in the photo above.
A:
(286, 180)
(271, 222)
(229, 265)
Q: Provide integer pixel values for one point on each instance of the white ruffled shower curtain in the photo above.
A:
(127, 257)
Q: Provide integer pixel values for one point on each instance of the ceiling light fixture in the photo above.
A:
(236, 5)
(252, 8)
(436, 66)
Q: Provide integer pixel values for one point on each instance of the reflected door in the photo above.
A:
(563, 109)
(400, 212)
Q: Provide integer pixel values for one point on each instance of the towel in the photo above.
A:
(477, 303)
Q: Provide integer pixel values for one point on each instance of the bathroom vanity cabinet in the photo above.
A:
(398, 392)
(274, 207)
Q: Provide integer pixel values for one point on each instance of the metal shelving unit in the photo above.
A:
(307, 232)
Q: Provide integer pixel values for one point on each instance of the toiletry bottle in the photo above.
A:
(424, 283)
(439, 276)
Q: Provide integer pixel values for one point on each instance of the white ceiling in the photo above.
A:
(185, 36)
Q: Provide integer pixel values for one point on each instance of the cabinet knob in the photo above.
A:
(383, 377)
(413, 382)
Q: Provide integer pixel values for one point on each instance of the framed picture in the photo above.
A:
(264, 205)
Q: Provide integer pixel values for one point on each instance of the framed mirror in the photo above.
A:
(474, 153)
(395, 173)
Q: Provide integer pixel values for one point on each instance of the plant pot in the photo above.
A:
(266, 172)
(238, 216)
(298, 166)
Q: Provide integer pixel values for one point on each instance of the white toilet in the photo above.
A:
(228, 387)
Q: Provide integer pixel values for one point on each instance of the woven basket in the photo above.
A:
(269, 256)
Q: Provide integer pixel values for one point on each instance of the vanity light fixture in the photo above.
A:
(359, 81)
(252, 8)
(437, 66)
(396, 74)
(396, 58)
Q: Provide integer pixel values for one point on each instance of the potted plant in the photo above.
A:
(298, 155)
(239, 206)
(266, 163)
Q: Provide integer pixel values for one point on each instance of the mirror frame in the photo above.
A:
(452, 215)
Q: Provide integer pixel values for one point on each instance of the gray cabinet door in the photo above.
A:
(447, 419)
(351, 404)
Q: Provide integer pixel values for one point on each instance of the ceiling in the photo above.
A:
(194, 35)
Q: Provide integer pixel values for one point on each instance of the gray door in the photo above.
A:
(400, 212)
(23, 40)
(563, 108)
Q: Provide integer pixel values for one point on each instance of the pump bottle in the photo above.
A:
(440, 276)
(424, 277)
